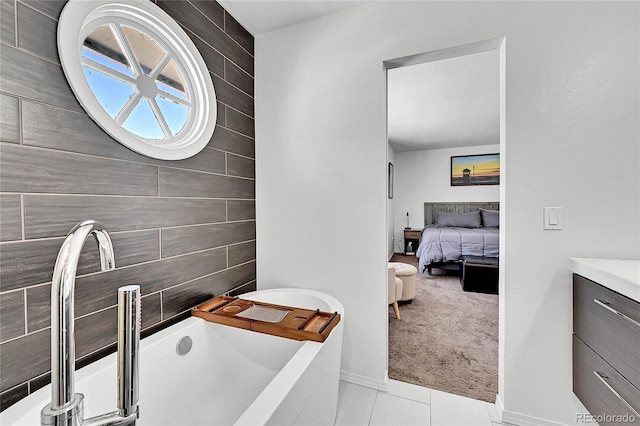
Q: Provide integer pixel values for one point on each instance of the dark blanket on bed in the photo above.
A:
(445, 244)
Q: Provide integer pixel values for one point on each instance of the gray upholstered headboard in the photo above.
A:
(462, 207)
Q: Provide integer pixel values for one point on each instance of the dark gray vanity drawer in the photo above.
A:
(612, 336)
(602, 390)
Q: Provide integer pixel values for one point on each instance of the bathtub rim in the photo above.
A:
(334, 304)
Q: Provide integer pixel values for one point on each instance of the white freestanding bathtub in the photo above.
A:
(230, 375)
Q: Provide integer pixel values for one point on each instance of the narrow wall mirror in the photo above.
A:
(138, 76)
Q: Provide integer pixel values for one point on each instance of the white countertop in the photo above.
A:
(622, 276)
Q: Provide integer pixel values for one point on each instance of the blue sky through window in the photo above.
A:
(113, 94)
(143, 122)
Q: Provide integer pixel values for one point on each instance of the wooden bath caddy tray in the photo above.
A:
(277, 320)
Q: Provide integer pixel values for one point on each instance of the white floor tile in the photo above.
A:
(390, 410)
(355, 404)
(453, 410)
(409, 391)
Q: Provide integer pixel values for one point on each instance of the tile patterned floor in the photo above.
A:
(405, 404)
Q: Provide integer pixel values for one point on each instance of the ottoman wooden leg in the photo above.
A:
(396, 309)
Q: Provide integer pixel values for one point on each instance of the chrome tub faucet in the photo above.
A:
(67, 407)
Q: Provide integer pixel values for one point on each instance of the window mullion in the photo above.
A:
(173, 98)
(160, 66)
(160, 117)
(128, 108)
(126, 48)
(106, 70)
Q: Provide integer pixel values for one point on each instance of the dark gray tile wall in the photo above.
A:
(182, 230)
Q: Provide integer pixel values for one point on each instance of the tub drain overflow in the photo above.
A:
(184, 345)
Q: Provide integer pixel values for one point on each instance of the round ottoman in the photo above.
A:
(407, 273)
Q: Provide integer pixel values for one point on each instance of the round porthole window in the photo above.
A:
(138, 75)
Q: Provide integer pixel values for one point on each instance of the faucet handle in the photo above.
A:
(129, 311)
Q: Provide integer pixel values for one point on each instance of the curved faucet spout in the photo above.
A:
(63, 351)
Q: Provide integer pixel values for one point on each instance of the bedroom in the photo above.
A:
(441, 112)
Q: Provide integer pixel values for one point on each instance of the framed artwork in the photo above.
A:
(390, 181)
(483, 169)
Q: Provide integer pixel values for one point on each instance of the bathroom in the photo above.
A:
(296, 197)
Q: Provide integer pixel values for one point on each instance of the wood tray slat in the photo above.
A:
(316, 325)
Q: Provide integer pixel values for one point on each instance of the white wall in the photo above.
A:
(424, 176)
(572, 135)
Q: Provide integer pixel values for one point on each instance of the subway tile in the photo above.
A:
(13, 395)
(214, 36)
(11, 315)
(51, 8)
(183, 183)
(31, 262)
(24, 358)
(241, 166)
(208, 160)
(99, 291)
(97, 354)
(7, 22)
(9, 119)
(243, 289)
(212, 58)
(40, 381)
(179, 298)
(232, 96)
(27, 169)
(231, 141)
(34, 33)
(50, 127)
(200, 237)
(212, 10)
(221, 118)
(238, 33)
(164, 324)
(241, 210)
(186, 14)
(240, 123)
(55, 215)
(34, 78)
(96, 331)
(151, 310)
(242, 253)
(11, 228)
(236, 76)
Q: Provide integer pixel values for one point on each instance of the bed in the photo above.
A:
(454, 230)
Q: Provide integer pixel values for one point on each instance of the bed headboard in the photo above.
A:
(461, 207)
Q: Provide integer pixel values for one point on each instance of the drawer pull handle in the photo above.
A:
(618, 313)
(603, 378)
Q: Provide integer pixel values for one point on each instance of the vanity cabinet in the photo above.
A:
(606, 352)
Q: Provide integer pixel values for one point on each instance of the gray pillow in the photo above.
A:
(490, 218)
(460, 220)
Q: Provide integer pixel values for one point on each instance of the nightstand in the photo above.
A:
(411, 238)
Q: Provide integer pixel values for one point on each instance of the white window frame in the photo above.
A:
(80, 17)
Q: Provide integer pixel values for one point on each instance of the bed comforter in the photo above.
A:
(444, 244)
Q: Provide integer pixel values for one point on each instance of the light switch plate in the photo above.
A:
(553, 218)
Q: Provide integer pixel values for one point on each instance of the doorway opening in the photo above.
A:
(446, 107)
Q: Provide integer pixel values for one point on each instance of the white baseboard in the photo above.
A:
(517, 419)
(366, 381)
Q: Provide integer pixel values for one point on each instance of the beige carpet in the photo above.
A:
(446, 339)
